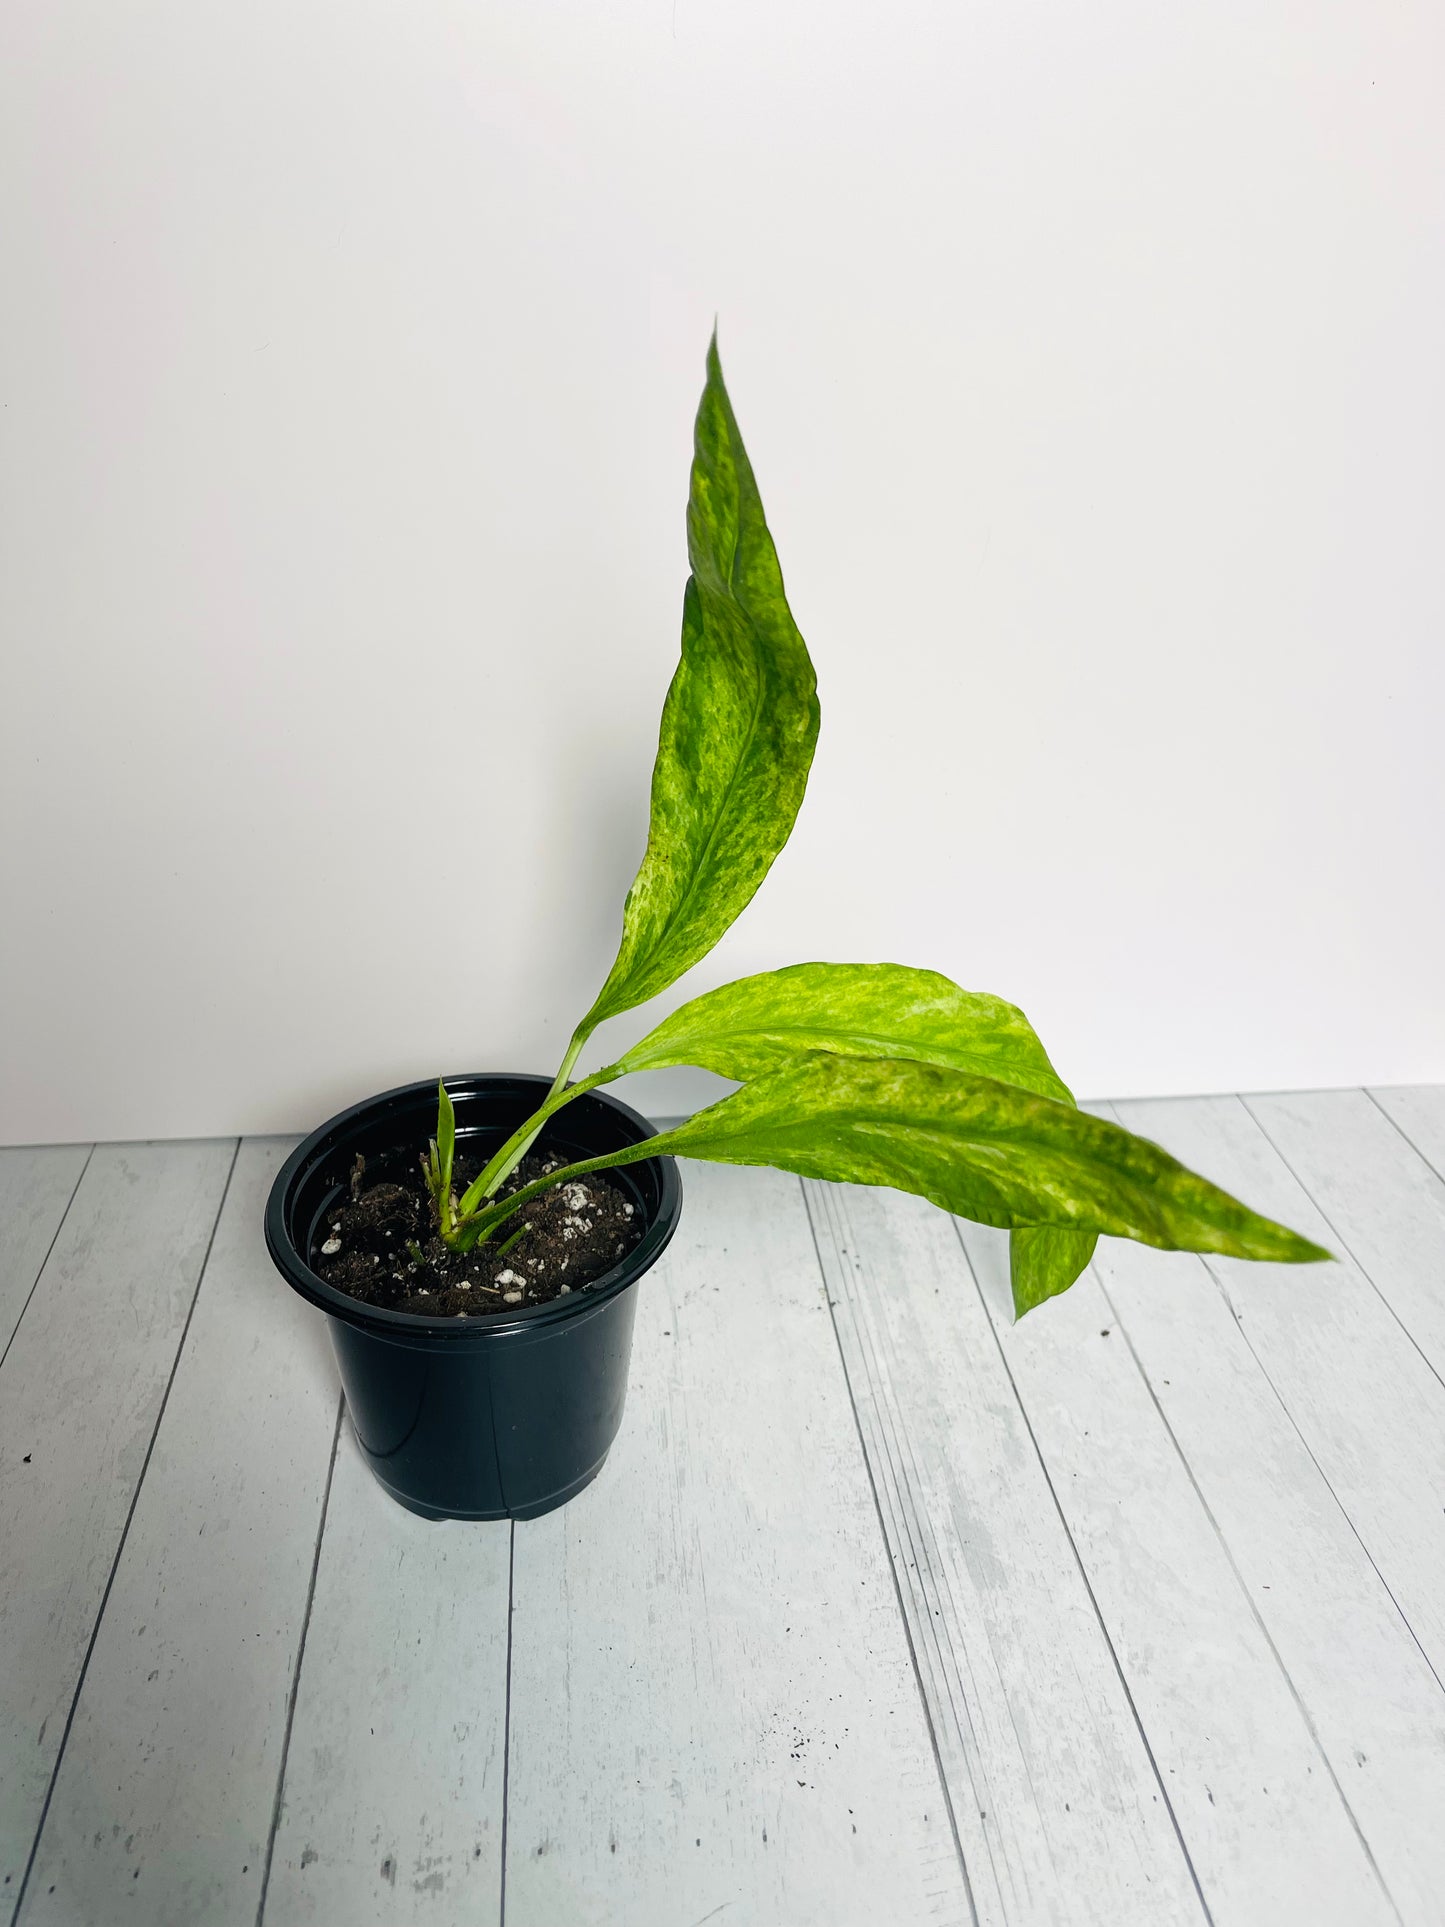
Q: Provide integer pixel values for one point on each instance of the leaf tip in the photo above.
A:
(1308, 1253)
(715, 385)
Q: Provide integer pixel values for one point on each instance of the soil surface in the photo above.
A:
(380, 1245)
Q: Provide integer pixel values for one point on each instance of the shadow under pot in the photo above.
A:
(497, 1417)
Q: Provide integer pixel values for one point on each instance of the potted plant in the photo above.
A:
(477, 1244)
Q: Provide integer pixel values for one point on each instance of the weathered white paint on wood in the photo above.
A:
(36, 1186)
(165, 1793)
(80, 1393)
(1419, 1112)
(709, 1588)
(1367, 1405)
(1383, 1203)
(1055, 1798)
(1370, 1695)
(1268, 1834)
(713, 1710)
(392, 1799)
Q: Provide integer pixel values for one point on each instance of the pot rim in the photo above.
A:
(329, 1139)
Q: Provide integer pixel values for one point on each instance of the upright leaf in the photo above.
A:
(738, 728)
(446, 1137)
(764, 1023)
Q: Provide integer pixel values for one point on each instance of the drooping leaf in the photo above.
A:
(1045, 1259)
(981, 1149)
(738, 728)
(763, 1023)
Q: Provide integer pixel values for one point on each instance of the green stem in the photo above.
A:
(503, 1249)
(486, 1221)
(505, 1161)
(573, 1052)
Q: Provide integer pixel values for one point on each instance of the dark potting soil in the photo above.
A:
(380, 1245)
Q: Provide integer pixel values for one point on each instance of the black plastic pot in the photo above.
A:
(501, 1417)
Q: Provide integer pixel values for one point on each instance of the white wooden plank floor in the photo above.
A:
(883, 1610)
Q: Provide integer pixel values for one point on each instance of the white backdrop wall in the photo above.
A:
(1090, 358)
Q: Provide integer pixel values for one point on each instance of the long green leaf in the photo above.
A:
(738, 728)
(763, 1023)
(981, 1149)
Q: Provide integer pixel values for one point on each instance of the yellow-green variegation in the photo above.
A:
(978, 1147)
(738, 728)
(858, 1073)
(763, 1023)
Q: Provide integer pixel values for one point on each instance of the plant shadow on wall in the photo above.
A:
(859, 1073)
(482, 1317)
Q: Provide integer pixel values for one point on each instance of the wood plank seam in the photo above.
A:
(1265, 1633)
(507, 1717)
(1344, 1242)
(125, 1532)
(404, 1662)
(892, 1567)
(1329, 1487)
(981, 1545)
(1318, 1442)
(1395, 1123)
(1293, 1386)
(916, 1535)
(711, 1636)
(1089, 1587)
(40, 1269)
(296, 1669)
(911, 1533)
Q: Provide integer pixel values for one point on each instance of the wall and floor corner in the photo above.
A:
(1090, 362)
